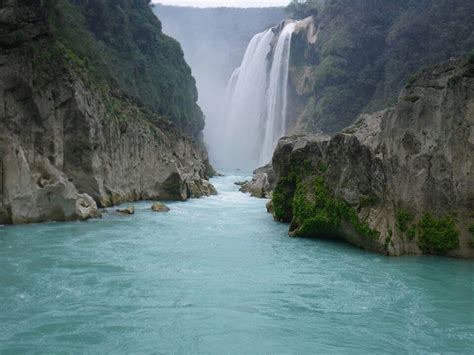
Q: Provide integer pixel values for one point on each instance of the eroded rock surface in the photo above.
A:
(62, 152)
(160, 207)
(262, 183)
(400, 181)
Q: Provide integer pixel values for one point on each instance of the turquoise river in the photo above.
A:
(217, 275)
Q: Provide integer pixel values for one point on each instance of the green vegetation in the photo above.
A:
(437, 235)
(299, 10)
(470, 56)
(321, 212)
(314, 210)
(411, 98)
(404, 219)
(366, 51)
(322, 167)
(471, 228)
(411, 232)
(118, 47)
(282, 198)
(368, 200)
(411, 80)
(323, 215)
(286, 186)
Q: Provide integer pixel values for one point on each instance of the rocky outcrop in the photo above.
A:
(160, 207)
(63, 150)
(399, 181)
(262, 183)
(129, 210)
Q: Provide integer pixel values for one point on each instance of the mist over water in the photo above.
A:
(240, 61)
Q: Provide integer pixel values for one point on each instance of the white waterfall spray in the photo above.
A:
(257, 100)
(276, 100)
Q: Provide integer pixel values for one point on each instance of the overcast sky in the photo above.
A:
(228, 3)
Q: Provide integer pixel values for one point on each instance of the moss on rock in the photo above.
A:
(321, 212)
(437, 234)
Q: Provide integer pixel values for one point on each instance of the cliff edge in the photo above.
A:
(70, 141)
(399, 181)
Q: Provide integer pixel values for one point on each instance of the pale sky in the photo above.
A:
(227, 3)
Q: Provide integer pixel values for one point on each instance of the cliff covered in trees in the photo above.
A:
(98, 107)
(352, 57)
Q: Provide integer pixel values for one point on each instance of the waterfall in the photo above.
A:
(276, 98)
(257, 100)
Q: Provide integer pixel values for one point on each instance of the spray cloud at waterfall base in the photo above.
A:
(256, 102)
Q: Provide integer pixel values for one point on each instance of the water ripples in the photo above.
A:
(218, 275)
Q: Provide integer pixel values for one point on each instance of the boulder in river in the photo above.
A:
(128, 210)
(262, 183)
(160, 207)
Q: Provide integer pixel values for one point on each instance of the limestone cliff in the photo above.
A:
(399, 181)
(67, 144)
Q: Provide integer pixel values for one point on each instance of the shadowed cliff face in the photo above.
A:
(67, 145)
(399, 181)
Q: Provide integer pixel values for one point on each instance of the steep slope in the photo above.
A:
(69, 139)
(399, 181)
(363, 52)
(121, 42)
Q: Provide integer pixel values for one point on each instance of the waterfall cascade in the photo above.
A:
(257, 100)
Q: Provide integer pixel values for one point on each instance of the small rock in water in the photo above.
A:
(241, 183)
(159, 207)
(128, 210)
(269, 206)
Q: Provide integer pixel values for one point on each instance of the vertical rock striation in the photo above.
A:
(399, 181)
(63, 152)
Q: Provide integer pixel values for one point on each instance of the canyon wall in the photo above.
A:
(399, 181)
(352, 57)
(70, 142)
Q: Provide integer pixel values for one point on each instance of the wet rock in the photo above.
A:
(262, 183)
(129, 210)
(399, 181)
(160, 207)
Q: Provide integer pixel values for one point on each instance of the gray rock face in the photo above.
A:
(262, 183)
(406, 174)
(62, 153)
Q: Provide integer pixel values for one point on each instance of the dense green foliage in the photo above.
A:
(320, 212)
(470, 56)
(404, 218)
(303, 197)
(119, 44)
(321, 216)
(282, 198)
(366, 51)
(438, 235)
(298, 10)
